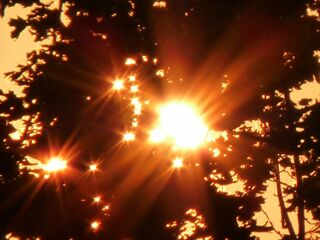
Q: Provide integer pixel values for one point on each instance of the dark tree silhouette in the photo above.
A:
(261, 50)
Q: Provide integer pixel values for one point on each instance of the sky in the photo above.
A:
(14, 52)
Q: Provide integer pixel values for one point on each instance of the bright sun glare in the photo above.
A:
(55, 164)
(118, 84)
(177, 163)
(180, 123)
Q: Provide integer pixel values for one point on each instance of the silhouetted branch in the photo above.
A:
(269, 220)
(286, 222)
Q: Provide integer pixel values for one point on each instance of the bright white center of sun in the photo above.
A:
(181, 124)
(55, 164)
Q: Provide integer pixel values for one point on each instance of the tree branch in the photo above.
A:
(269, 220)
(286, 222)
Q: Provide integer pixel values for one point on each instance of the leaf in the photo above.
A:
(19, 24)
(285, 162)
(305, 101)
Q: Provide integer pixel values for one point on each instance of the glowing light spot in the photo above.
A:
(118, 84)
(95, 225)
(134, 88)
(177, 163)
(160, 73)
(172, 224)
(129, 136)
(10, 236)
(159, 4)
(137, 109)
(132, 78)
(216, 152)
(313, 13)
(213, 135)
(180, 123)
(145, 58)
(155, 61)
(316, 54)
(130, 61)
(135, 124)
(97, 199)
(15, 135)
(55, 164)
(106, 208)
(93, 167)
(135, 101)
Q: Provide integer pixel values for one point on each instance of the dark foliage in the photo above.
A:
(265, 48)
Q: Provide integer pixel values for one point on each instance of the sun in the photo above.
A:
(180, 123)
(55, 164)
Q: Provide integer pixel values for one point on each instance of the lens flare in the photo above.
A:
(128, 137)
(96, 199)
(180, 123)
(177, 163)
(118, 84)
(95, 225)
(93, 167)
(55, 164)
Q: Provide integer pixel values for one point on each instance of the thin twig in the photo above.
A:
(269, 220)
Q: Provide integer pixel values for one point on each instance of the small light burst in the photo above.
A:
(132, 78)
(134, 88)
(215, 152)
(130, 61)
(118, 84)
(93, 167)
(137, 106)
(145, 58)
(177, 162)
(95, 225)
(135, 101)
(137, 109)
(97, 199)
(159, 4)
(106, 208)
(16, 135)
(160, 73)
(129, 136)
(135, 123)
(55, 164)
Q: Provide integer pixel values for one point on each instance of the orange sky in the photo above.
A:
(12, 52)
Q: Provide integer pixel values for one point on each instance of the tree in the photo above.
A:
(262, 50)
(279, 141)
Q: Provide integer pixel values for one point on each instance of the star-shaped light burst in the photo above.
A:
(55, 164)
(129, 136)
(118, 84)
(93, 167)
(95, 225)
(181, 124)
(97, 199)
(177, 162)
